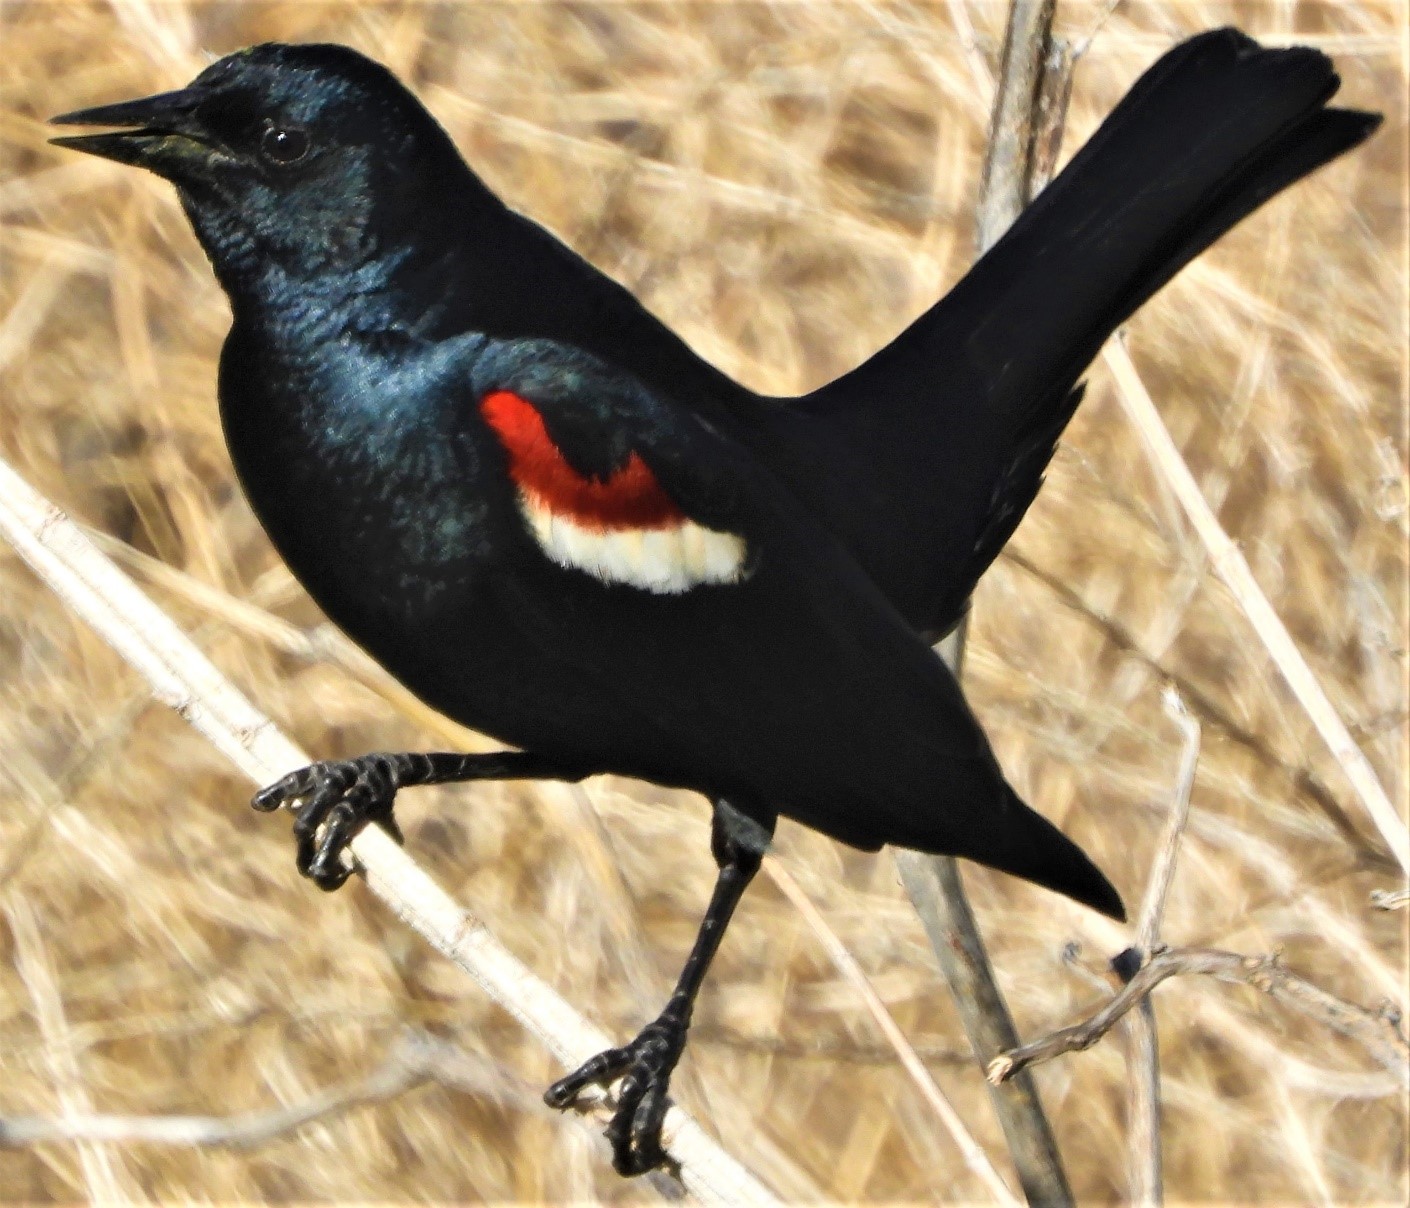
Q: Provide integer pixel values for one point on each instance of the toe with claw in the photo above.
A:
(337, 798)
(645, 1067)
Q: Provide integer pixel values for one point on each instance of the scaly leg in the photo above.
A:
(645, 1065)
(341, 796)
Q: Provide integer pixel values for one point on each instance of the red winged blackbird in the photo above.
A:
(543, 513)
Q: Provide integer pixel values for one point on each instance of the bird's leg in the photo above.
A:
(338, 797)
(645, 1065)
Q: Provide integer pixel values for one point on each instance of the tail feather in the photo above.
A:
(1013, 838)
(951, 412)
(1325, 135)
(1027, 845)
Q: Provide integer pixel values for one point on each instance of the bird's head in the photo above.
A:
(300, 156)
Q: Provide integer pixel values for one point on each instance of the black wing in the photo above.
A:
(794, 684)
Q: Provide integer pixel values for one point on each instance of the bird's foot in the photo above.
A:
(337, 798)
(645, 1067)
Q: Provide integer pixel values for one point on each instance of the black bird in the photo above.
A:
(542, 512)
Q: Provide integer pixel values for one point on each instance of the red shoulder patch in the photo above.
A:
(630, 498)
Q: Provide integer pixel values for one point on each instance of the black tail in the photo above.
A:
(1027, 845)
(984, 820)
(959, 413)
(1213, 130)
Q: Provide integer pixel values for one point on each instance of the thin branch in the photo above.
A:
(418, 1059)
(1163, 866)
(1377, 1031)
(1030, 107)
(1303, 780)
(934, 887)
(1233, 569)
(1145, 1164)
(182, 677)
(1390, 899)
(1143, 1140)
(975, 1157)
(104, 1176)
(1007, 183)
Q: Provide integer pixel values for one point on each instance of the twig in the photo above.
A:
(1145, 1162)
(1143, 1142)
(1163, 866)
(975, 1157)
(1006, 185)
(1378, 1032)
(1026, 130)
(104, 1177)
(326, 644)
(419, 1058)
(1233, 569)
(186, 680)
(933, 884)
(1211, 712)
(1390, 899)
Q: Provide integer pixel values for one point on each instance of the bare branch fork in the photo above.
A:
(1148, 963)
(1030, 105)
(1377, 1030)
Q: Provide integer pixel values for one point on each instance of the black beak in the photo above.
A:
(162, 132)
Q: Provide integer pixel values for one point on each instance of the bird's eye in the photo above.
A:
(284, 144)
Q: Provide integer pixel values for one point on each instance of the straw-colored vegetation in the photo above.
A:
(788, 184)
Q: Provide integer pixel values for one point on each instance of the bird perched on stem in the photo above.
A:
(542, 512)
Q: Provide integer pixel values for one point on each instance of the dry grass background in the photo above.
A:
(787, 183)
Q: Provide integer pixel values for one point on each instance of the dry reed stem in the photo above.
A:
(1163, 868)
(1016, 140)
(326, 643)
(1378, 1032)
(185, 680)
(975, 1157)
(1025, 132)
(1145, 1179)
(1234, 570)
(104, 1177)
(418, 1058)
(1144, 1153)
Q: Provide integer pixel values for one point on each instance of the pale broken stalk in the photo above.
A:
(183, 678)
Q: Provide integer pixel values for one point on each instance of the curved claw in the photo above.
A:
(645, 1067)
(325, 867)
(294, 785)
